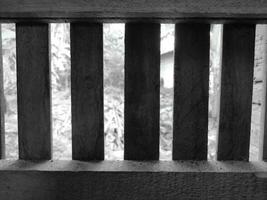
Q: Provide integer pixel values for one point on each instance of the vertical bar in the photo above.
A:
(263, 127)
(191, 88)
(33, 84)
(87, 91)
(236, 92)
(2, 103)
(142, 81)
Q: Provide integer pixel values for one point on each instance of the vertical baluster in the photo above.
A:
(263, 136)
(87, 91)
(263, 127)
(191, 88)
(33, 84)
(142, 82)
(236, 91)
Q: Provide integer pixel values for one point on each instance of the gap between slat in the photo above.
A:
(60, 91)
(2, 103)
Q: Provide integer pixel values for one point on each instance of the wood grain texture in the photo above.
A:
(132, 9)
(87, 91)
(263, 123)
(33, 90)
(142, 81)
(2, 103)
(263, 137)
(191, 88)
(236, 92)
(132, 180)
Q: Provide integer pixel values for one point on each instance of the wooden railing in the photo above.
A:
(141, 175)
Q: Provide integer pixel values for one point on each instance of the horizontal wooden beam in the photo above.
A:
(132, 9)
(132, 180)
(135, 166)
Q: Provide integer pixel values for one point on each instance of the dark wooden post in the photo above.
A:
(33, 83)
(87, 91)
(142, 85)
(236, 91)
(191, 89)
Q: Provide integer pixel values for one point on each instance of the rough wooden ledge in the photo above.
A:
(135, 166)
(132, 9)
(132, 180)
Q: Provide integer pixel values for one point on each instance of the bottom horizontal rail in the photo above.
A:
(132, 180)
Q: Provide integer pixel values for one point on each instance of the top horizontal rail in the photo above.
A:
(130, 10)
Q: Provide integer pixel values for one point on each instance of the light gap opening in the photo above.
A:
(114, 90)
(214, 88)
(60, 91)
(10, 90)
(166, 90)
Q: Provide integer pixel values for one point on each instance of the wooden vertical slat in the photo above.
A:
(263, 136)
(87, 91)
(263, 125)
(191, 88)
(2, 103)
(142, 81)
(236, 91)
(33, 85)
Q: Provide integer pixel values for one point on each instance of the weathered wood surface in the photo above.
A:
(133, 9)
(236, 92)
(191, 91)
(142, 82)
(33, 84)
(87, 91)
(132, 180)
(263, 123)
(2, 103)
